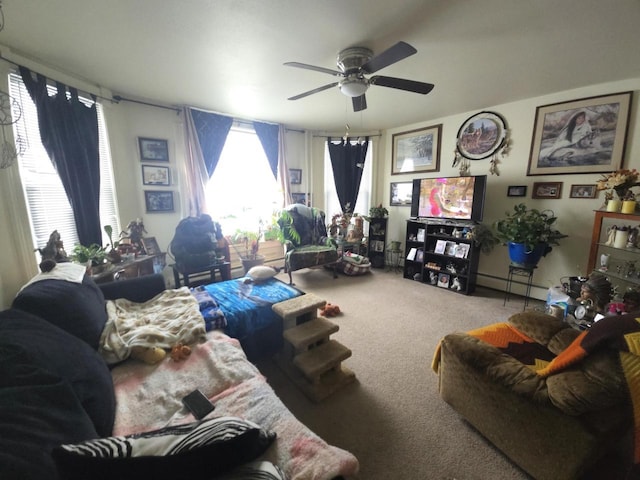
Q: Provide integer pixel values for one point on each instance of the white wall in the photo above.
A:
(575, 216)
(128, 121)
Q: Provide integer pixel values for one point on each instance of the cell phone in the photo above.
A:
(198, 404)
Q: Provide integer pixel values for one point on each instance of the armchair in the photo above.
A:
(305, 236)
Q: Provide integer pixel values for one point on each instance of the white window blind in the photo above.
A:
(47, 202)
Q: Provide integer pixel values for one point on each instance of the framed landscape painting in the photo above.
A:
(154, 149)
(401, 193)
(416, 150)
(580, 136)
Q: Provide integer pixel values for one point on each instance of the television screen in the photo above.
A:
(456, 198)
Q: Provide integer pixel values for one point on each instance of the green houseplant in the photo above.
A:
(529, 233)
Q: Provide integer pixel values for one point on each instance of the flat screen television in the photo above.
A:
(455, 198)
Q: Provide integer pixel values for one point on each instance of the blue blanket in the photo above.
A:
(247, 306)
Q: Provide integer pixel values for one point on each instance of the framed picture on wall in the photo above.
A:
(153, 149)
(155, 175)
(303, 198)
(583, 191)
(295, 176)
(158, 201)
(547, 190)
(516, 190)
(400, 194)
(581, 136)
(416, 150)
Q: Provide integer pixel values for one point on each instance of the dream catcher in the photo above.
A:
(10, 113)
(483, 135)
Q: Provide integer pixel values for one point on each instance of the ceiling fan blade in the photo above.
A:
(315, 90)
(402, 84)
(399, 51)
(313, 67)
(359, 103)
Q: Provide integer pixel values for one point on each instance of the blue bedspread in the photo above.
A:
(247, 306)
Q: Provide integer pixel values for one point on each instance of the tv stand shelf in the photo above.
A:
(439, 253)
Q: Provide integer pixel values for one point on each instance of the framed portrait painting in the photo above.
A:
(416, 150)
(153, 149)
(580, 136)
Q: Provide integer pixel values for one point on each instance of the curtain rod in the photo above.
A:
(118, 99)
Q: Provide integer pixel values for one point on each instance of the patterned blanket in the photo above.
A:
(170, 317)
(149, 397)
(620, 333)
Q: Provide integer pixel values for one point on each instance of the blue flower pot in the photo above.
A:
(522, 257)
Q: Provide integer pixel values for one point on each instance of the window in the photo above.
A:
(242, 194)
(47, 202)
(364, 194)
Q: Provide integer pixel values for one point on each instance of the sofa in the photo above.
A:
(556, 401)
(66, 413)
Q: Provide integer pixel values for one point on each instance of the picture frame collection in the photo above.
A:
(586, 135)
(156, 174)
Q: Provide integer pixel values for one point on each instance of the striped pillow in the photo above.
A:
(194, 450)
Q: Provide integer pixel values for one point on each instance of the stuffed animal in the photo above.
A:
(180, 352)
(149, 355)
(330, 310)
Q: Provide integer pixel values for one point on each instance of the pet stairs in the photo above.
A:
(310, 358)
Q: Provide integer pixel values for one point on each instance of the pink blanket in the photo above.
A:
(149, 397)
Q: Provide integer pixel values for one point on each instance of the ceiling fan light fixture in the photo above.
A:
(354, 87)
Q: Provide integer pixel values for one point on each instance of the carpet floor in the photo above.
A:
(392, 417)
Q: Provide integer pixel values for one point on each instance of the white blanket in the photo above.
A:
(169, 318)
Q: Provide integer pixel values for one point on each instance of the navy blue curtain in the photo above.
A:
(212, 130)
(347, 162)
(69, 132)
(268, 135)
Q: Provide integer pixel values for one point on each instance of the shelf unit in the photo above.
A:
(438, 253)
(618, 272)
(377, 241)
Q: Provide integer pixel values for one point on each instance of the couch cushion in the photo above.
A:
(65, 357)
(53, 389)
(194, 450)
(79, 309)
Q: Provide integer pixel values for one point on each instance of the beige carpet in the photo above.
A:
(392, 417)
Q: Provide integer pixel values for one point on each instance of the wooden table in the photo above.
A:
(187, 272)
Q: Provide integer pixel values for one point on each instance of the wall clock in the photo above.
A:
(481, 136)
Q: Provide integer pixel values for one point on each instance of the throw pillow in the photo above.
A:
(79, 309)
(195, 450)
(69, 359)
(261, 273)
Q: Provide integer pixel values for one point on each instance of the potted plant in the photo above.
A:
(113, 254)
(247, 244)
(377, 212)
(91, 256)
(529, 233)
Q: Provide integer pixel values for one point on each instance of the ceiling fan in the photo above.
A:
(355, 62)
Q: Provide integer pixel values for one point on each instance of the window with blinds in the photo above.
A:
(49, 208)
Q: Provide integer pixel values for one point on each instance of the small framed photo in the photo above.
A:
(155, 175)
(443, 280)
(547, 190)
(441, 245)
(419, 255)
(583, 191)
(295, 176)
(516, 191)
(153, 149)
(401, 193)
(158, 201)
(150, 245)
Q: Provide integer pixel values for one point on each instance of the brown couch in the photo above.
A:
(576, 423)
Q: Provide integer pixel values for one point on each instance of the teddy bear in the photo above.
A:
(148, 355)
(330, 310)
(180, 352)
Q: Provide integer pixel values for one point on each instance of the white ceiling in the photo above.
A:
(227, 55)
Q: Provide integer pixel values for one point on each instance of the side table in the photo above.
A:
(223, 267)
(521, 272)
(394, 260)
